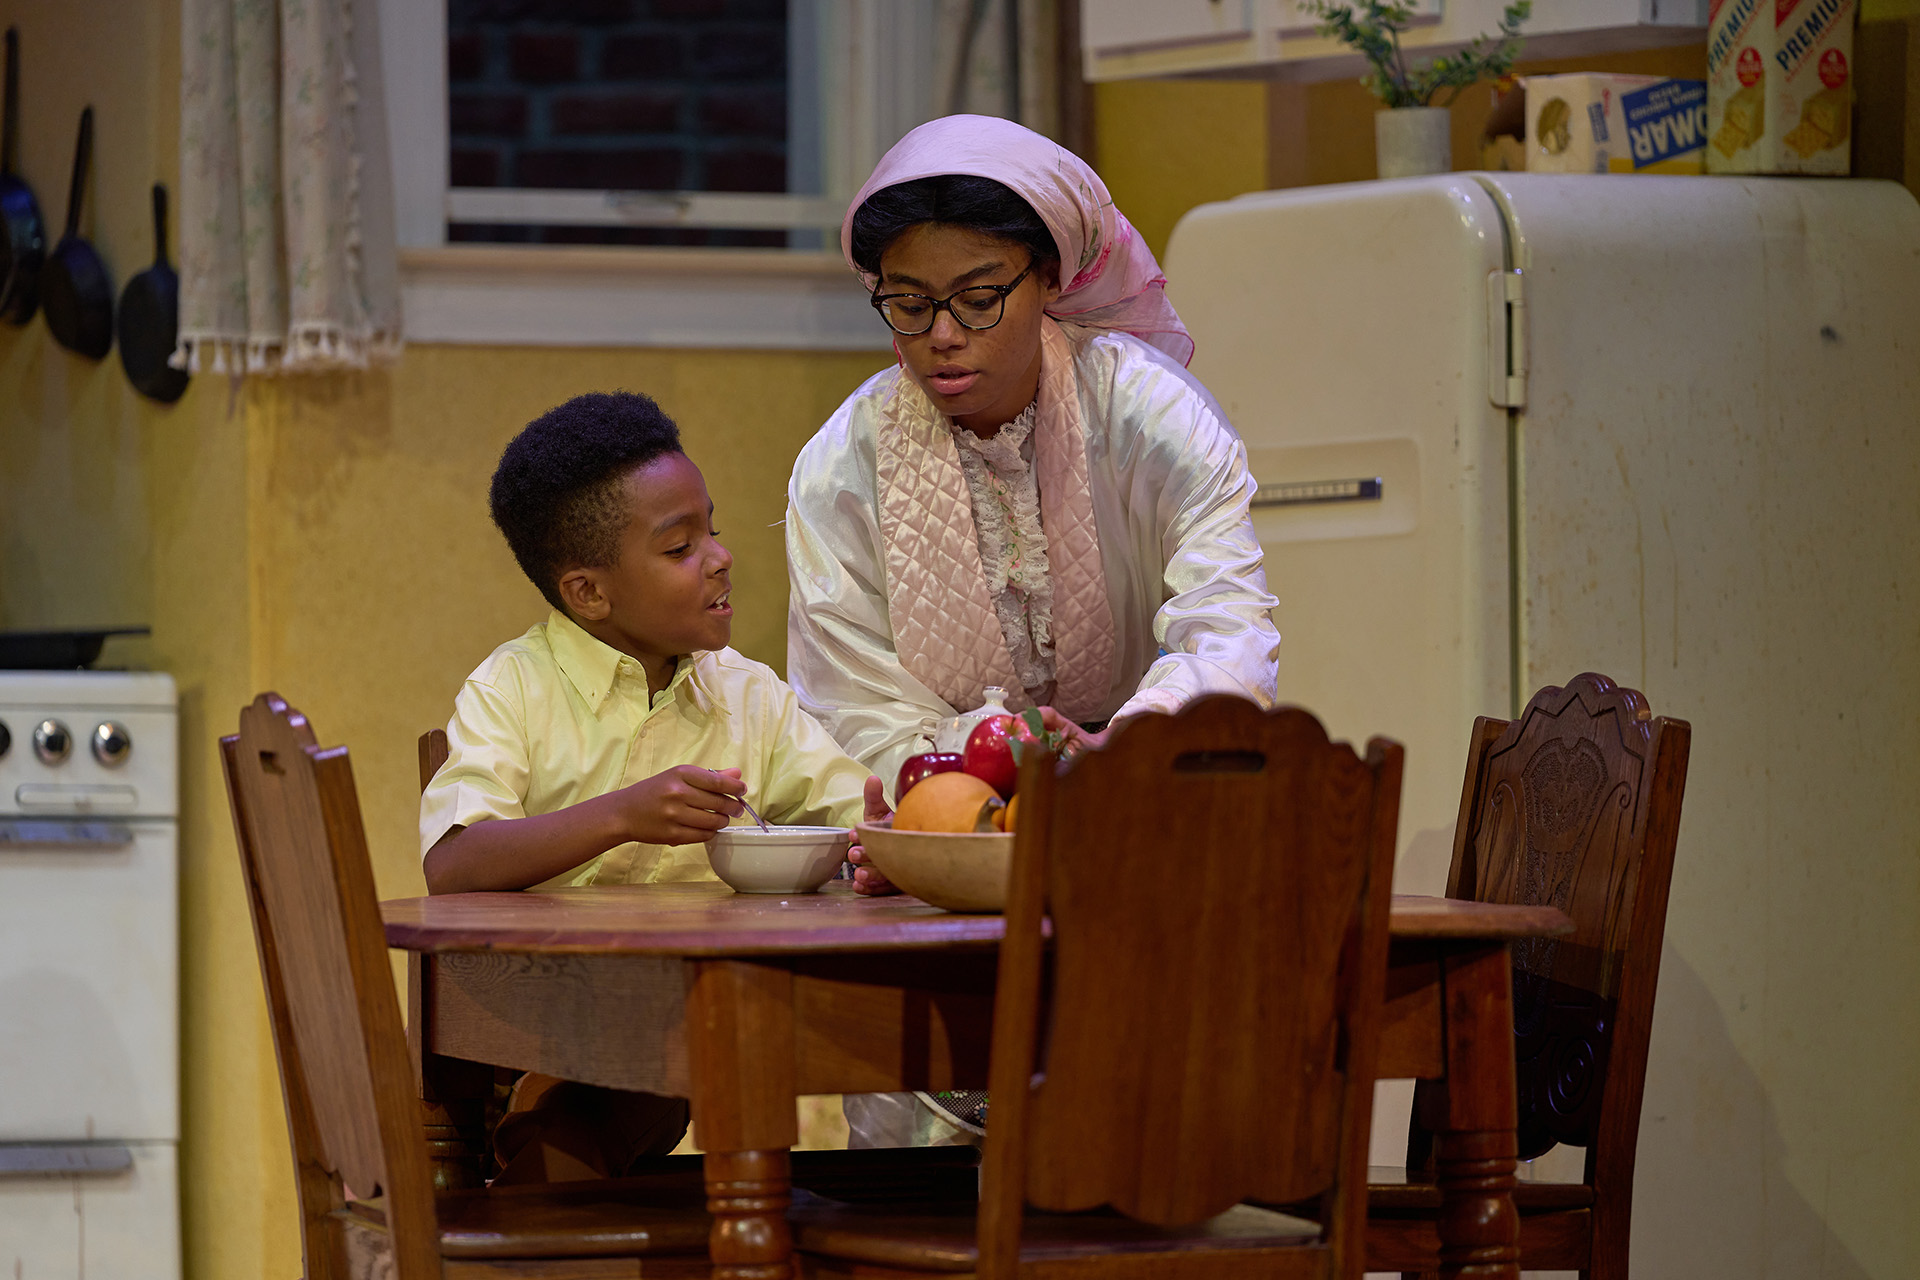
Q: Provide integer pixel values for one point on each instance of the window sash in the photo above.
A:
(860, 75)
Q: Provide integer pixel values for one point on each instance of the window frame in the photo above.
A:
(863, 62)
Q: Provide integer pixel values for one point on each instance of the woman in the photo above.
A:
(1039, 496)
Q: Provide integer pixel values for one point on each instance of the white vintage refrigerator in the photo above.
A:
(1667, 429)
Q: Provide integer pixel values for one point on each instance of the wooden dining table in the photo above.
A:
(742, 1003)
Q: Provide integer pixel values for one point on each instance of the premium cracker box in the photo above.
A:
(1780, 86)
(1596, 123)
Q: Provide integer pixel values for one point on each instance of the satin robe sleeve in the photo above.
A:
(841, 661)
(1195, 563)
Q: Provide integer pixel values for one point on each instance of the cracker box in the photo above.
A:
(1594, 123)
(1780, 86)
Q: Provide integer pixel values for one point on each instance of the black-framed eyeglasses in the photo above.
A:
(975, 307)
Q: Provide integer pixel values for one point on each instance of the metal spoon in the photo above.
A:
(749, 808)
(756, 817)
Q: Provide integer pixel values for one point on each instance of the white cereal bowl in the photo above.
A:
(783, 860)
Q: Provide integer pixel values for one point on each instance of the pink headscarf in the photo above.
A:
(1116, 284)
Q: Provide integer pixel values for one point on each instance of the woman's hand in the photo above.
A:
(866, 877)
(1074, 738)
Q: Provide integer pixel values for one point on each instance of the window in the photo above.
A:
(674, 172)
(616, 117)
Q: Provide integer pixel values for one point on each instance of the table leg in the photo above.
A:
(454, 1093)
(1475, 1144)
(740, 1054)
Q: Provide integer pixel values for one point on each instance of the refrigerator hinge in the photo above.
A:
(1507, 339)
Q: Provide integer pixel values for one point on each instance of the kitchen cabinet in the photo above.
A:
(1275, 39)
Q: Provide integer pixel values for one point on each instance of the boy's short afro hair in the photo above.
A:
(556, 494)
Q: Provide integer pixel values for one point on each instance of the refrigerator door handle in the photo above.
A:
(1301, 493)
(1507, 339)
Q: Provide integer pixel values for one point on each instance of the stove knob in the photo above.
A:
(111, 744)
(51, 741)
(6, 740)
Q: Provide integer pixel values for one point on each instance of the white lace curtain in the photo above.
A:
(998, 58)
(889, 65)
(287, 258)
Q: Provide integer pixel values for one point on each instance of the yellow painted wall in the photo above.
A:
(71, 485)
(1164, 146)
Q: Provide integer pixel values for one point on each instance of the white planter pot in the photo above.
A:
(1412, 140)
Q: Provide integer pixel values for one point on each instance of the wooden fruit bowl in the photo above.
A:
(954, 872)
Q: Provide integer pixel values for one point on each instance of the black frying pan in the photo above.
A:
(24, 246)
(149, 319)
(74, 287)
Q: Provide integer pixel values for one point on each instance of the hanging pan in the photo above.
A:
(149, 319)
(24, 246)
(74, 287)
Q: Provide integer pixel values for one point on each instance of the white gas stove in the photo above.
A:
(89, 975)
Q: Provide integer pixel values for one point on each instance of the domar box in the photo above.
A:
(1780, 86)
(1598, 123)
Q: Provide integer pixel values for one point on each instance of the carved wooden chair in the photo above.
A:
(367, 1200)
(1577, 805)
(1203, 1030)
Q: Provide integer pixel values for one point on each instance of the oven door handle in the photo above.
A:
(62, 1161)
(62, 834)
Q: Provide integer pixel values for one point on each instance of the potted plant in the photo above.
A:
(1410, 134)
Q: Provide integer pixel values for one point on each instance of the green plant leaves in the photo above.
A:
(1372, 28)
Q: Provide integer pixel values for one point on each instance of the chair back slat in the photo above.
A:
(433, 754)
(299, 819)
(1215, 881)
(1557, 810)
(319, 1189)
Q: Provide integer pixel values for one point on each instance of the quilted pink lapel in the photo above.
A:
(1083, 633)
(945, 631)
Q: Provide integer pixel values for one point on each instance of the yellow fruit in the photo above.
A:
(954, 802)
(1006, 819)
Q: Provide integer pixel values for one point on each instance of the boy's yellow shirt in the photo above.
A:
(556, 717)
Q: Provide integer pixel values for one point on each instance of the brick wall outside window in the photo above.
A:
(648, 95)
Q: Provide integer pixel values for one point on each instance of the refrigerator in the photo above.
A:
(1512, 427)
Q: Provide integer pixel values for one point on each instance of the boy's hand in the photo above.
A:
(866, 877)
(684, 805)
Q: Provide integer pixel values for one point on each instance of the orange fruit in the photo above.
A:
(1005, 820)
(954, 802)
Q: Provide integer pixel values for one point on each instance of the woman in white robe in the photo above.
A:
(1039, 495)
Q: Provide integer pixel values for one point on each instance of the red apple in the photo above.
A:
(989, 753)
(924, 765)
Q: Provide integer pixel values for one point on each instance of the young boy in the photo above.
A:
(605, 744)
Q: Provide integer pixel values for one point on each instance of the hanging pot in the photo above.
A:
(1408, 141)
(75, 289)
(24, 246)
(149, 319)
